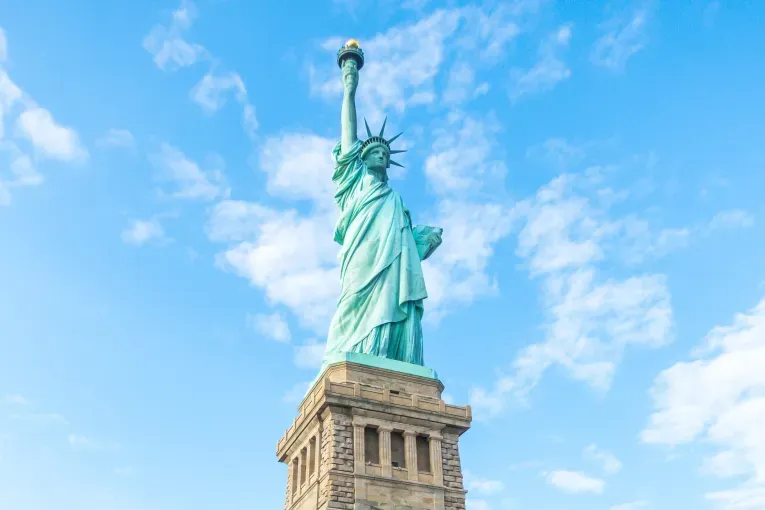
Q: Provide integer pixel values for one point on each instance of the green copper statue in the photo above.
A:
(382, 286)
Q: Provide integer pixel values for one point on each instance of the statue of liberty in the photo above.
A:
(380, 308)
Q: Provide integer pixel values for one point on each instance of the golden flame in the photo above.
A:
(352, 43)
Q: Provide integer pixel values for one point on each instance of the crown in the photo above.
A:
(374, 141)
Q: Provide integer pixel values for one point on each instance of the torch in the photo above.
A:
(351, 50)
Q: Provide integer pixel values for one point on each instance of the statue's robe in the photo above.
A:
(382, 286)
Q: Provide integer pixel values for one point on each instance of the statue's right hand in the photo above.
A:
(350, 76)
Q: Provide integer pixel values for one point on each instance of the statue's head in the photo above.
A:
(376, 151)
(377, 157)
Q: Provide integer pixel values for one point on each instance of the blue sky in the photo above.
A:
(167, 271)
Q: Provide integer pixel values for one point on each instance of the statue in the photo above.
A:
(380, 308)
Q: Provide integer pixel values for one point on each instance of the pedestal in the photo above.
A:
(369, 438)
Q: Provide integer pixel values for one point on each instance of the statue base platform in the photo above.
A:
(369, 437)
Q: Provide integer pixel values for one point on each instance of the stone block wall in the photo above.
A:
(336, 491)
(452, 473)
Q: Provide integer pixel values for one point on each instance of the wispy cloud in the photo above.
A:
(715, 398)
(87, 443)
(117, 138)
(171, 51)
(140, 232)
(633, 505)
(574, 482)
(15, 400)
(567, 234)
(310, 354)
(3, 46)
(167, 44)
(549, 70)
(212, 91)
(273, 326)
(33, 124)
(41, 418)
(464, 168)
(125, 471)
(482, 486)
(289, 255)
(295, 394)
(607, 460)
(623, 36)
(401, 74)
(736, 218)
(190, 181)
(50, 138)
(404, 75)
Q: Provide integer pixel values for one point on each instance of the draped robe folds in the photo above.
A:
(382, 286)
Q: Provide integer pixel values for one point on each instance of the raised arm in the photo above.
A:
(348, 115)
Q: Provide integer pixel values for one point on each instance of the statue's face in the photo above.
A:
(377, 159)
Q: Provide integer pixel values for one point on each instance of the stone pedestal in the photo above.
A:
(370, 438)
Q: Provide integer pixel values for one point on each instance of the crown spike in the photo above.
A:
(369, 131)
(391, 140)
(398, 151)
(382, 130)
(396, 164)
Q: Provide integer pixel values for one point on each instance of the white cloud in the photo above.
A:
(310, 354)
(172, 51)
(126, 471)
(633, 505)
(736, 218)
(575, 483)
(464, 155)
(591, 318)
(21, 167)
(3, 46)
(401, 73)
(291, 257)
(273, 326)
(742, 498)
(549, 70)
(167, 44)
(299, 166)
(457, 273)
(624, 36)
(296, 394)
(608, 461)
(482, 486)
(639, 242)
(42, 418)
(55, 141)
(464, 169)
(87, 443)
(117, 138)
(190, 180)
(15, 400)
(212, 91)
(556, 152)
(461, 85)
(718, 398)
(10, 94)
(477, 504)
(140, 232)
(37, 125)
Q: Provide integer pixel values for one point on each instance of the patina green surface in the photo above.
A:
(380, 308)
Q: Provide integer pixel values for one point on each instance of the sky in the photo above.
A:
(167, 269)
